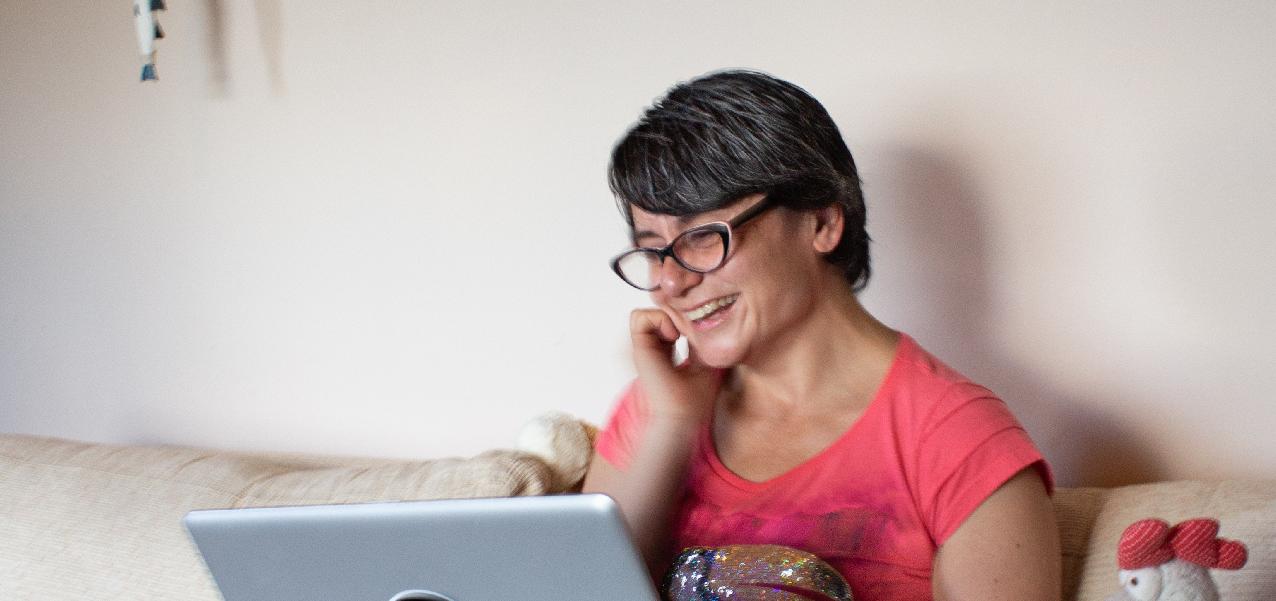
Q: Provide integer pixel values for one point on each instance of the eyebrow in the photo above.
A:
(636, 236)
(682, 222)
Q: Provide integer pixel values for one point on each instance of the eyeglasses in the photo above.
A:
(701, 249)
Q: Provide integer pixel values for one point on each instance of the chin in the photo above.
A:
(720, 356)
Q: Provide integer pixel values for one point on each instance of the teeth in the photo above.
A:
(703, 310)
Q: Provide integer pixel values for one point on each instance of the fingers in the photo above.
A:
(693, 359)
(668, 331)
(652, 323)
(653, 335)
(684, 392)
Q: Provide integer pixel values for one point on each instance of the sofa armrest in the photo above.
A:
(97, 521)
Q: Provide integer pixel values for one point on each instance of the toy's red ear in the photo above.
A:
(1193, 541)
(1231, 555)
(1143, 544)
(1197, 541)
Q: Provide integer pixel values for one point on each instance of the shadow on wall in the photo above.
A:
(932, 258)
(218, 71)
(269, 35)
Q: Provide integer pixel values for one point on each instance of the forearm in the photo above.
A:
(648, 490)
(674, 403)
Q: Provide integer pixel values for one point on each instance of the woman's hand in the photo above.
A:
(677, 400)
(685, 392)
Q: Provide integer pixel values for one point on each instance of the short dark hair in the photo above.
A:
(719, 137)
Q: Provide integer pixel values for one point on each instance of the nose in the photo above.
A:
(674, 279)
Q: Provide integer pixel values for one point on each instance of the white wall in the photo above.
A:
(382, 228)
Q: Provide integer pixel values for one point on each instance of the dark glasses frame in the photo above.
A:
(721, 228)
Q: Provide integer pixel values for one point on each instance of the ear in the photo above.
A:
(829, 223)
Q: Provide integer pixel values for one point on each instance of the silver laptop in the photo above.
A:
(559, 548)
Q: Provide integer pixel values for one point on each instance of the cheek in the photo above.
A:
(1143, 584)
(785, 281)
(775, 298)
(772, 275)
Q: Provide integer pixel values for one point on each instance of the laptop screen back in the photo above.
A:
(560, 548)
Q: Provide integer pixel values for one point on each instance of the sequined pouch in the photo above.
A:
(753, 573)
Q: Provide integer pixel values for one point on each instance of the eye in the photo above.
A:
(701, 248)
(1142, 584)
(698, 239)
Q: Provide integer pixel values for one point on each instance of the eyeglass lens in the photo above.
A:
(700, 249)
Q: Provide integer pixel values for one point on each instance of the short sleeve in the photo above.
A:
(618, 438)
(974, 447)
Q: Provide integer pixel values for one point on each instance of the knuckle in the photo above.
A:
(642, 319)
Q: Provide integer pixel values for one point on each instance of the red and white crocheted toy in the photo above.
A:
(1163, 563)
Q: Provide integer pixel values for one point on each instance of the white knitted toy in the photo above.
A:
(1163, 563)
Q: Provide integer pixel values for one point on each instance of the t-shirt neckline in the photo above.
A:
(709, 450)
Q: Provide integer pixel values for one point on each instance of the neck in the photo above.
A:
(833, 360)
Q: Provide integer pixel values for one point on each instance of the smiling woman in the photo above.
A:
(799, 421)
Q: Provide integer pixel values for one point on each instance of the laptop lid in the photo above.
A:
(559, 548)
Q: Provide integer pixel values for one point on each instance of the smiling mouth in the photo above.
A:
(711, 307)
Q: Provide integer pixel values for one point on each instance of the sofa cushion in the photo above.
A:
(1246, 511)
(96, 521)
(1075, 511)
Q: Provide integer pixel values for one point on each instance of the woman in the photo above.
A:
(798, 419)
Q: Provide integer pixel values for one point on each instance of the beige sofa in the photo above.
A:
(102, 522)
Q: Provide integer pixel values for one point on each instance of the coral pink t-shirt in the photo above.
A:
(877, 502)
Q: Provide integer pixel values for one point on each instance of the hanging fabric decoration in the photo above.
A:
(148, 30)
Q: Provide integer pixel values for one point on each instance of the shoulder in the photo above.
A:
(950, 430)
(924, 392)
